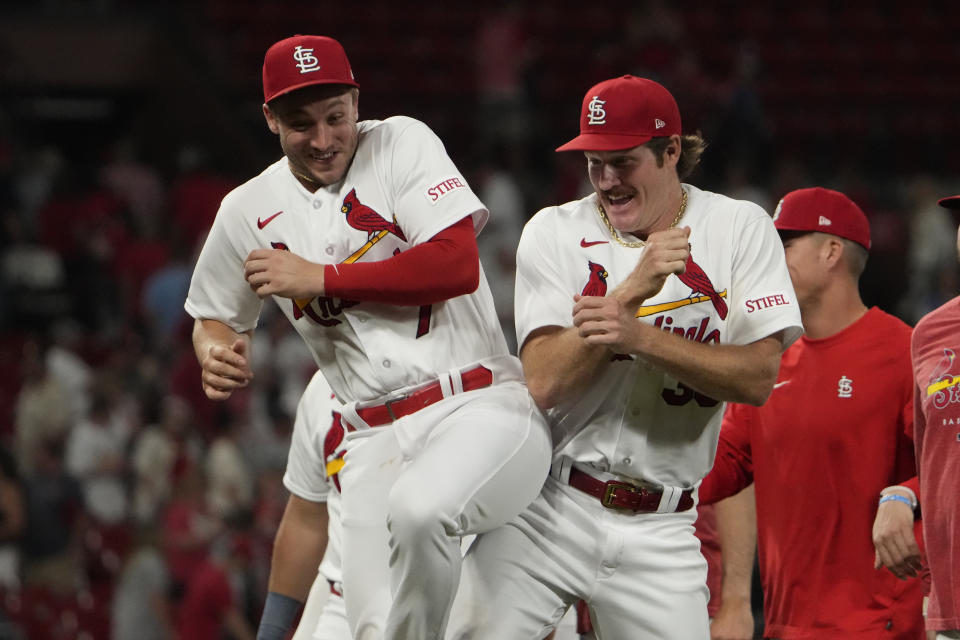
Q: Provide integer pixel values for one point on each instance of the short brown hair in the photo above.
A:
(692, 147)
(856, 257)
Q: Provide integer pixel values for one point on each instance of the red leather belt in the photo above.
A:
(476, 378)
(623, 495)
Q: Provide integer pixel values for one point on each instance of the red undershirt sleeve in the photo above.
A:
(444, 267)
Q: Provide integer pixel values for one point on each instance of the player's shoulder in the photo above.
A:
(889, 324)
(717, 206)
(266, 181)
(944, 316)
(318, 385)
(391, 128)
(564, 215)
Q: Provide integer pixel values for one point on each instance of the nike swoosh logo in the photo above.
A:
(780, 384)
(262, 223)
(585, 244)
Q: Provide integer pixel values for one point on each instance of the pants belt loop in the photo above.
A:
(446, 384)
(352, 418)
(669, 500)
(560, 469)
(456, 379)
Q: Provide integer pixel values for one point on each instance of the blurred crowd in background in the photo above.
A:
(120, 483)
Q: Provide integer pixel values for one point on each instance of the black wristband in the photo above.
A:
(279, 612)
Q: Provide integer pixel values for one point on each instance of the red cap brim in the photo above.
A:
(952, 202)
(604, 142)
(304, 85)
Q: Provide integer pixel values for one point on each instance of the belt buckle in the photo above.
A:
(388, 404)
(611, 488)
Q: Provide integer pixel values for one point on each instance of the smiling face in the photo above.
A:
(317, 127)
(634, 188)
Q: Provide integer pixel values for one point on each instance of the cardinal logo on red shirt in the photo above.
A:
(363, 218)
(597, 282)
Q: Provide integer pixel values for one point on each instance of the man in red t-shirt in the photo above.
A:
(834, 437)
(936, 371)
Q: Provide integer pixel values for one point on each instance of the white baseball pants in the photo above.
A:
(464, 465)
(324, 615)
(642, 574)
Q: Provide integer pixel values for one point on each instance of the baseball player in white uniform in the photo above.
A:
(364, 234)
(308, 541)
(640, 309)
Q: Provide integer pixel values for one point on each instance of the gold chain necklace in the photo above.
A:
(639, 243)
(302, 176)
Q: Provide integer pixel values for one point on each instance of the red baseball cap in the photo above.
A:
(623, 113)
(823, 210)
(953, 202)
(302, 61)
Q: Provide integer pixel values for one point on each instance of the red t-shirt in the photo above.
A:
(207, 599)
(836, 430)
(936, 369)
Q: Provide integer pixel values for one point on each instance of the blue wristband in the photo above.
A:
(279, 612)
(899, 498)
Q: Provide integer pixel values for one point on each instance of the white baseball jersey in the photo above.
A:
(315, 458)
(634, 420)
(400, 190)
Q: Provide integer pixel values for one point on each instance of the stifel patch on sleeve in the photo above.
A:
(444, 187)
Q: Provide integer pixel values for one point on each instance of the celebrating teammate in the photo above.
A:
(936, 374)
(640, 309)
(364, 234)
(307, 546)
(834, 438)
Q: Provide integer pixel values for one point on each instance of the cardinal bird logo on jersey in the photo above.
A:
(597, 282)
(332, 449)
(698, 280)
(362, 217)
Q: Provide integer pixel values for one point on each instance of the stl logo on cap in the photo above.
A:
(306, 61)
(630, 111)
(597, 114)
